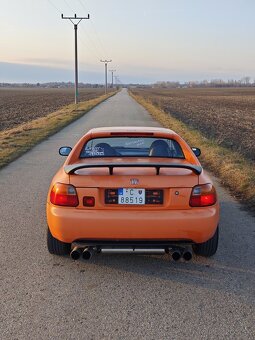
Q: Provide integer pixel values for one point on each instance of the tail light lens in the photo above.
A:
(203, 196)
(64, 194)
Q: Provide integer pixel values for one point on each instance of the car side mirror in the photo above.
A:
(65, 150)
(196, 151)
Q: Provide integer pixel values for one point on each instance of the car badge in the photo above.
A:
(134, 181)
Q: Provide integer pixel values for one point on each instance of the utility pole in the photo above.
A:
(105, 64)
(112, 76)
(75, 49)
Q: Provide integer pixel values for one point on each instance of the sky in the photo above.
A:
(148, 41)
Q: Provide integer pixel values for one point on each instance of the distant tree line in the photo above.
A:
(243, 82)
(51, 85)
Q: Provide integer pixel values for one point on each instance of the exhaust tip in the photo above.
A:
(187, 255)
(176, 255)
(75, 253)
(86, 254)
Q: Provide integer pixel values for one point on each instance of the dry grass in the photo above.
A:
(16, 141)
(235, 171)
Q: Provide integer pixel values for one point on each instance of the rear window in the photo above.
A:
(131, 147)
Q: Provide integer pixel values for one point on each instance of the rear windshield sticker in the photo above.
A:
(96, 151)
(137, 142)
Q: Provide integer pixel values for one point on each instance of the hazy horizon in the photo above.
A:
(148, 42)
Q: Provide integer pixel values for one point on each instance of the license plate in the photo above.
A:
(131, 196)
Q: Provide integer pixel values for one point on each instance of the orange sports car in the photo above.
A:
(132, 190)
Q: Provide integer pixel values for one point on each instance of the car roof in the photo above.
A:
(130, 130)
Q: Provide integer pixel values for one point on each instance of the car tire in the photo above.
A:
(57, 247)
(209, 247)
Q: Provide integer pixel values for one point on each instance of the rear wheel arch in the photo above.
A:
(209, 247)
(57, 247)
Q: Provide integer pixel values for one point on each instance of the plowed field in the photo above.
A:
(226, 115)
(20, 105)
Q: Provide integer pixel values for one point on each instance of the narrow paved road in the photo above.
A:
(115, 296)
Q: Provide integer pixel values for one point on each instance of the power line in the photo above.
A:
(105, 64)
(112, 71)
(52, 4)
(67, 4)
(95, 31)
(90, 43)
(75, 21)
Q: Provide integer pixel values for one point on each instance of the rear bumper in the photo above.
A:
(195, 225)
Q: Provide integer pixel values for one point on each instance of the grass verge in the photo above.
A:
(16, 141)
(235, 172)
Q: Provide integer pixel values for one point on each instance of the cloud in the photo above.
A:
(48, 62)
(20, 73)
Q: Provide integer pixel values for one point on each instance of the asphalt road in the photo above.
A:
(115, 296)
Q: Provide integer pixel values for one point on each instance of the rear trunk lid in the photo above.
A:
(175, 184)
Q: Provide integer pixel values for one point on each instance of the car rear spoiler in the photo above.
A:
(70, 169)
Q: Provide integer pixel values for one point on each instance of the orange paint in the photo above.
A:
(174, 219)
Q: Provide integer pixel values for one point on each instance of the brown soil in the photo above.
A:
(226, 115)
(20, 105)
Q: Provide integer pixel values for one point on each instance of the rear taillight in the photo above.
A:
(203, 196)
(64, 194)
